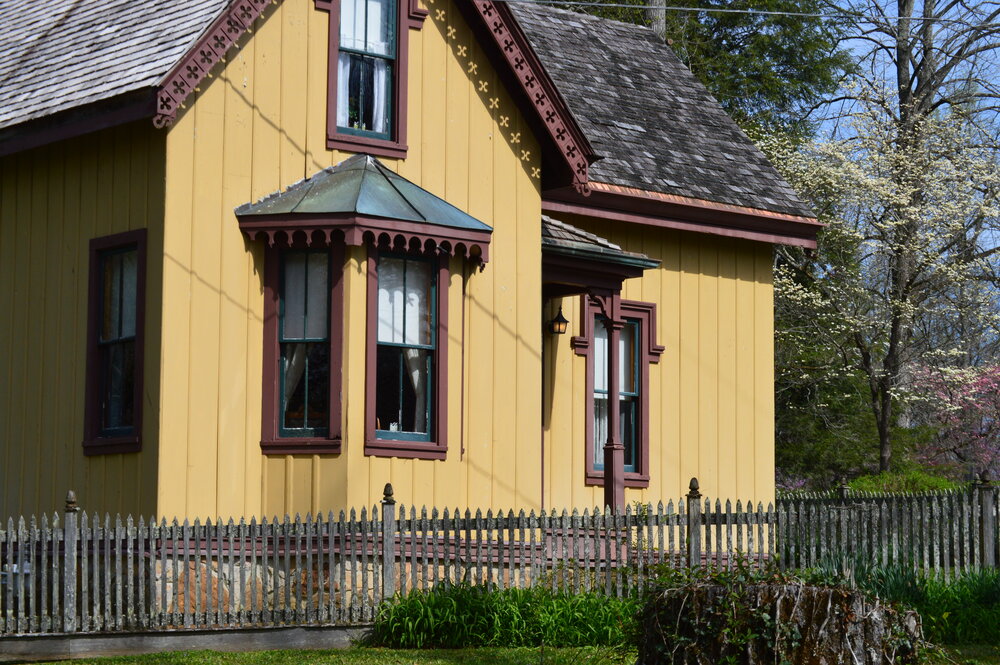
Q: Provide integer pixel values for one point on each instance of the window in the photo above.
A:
(113, 401)
(365, 67)
(304, 341)
(303, 312)
(637, 349)
(368, 74)
(628, 392)
(407, 356)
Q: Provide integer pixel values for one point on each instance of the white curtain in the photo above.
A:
(380, 119)
(343, 90)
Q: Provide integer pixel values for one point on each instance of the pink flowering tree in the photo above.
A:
(963, 407)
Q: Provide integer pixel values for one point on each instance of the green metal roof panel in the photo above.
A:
(362, 185)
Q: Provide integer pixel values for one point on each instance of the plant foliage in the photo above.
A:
(455, 616)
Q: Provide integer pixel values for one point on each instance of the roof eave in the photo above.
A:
(77, 121)
(661, 210)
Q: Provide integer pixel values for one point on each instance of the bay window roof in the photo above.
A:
(366, 202)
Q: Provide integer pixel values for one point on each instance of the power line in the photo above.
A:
(760, 12)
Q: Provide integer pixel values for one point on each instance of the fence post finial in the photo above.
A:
(387, 494)
(693, 492)
(843, 488)
(71, 506)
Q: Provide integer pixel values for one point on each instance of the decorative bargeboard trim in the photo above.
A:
(539, 88)
(185, 77)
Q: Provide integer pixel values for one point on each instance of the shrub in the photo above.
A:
(454, 616)
(907, 480)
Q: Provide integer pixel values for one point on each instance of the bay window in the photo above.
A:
(407, 355)
(303, 332)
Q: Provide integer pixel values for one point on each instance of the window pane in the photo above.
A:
(381, 20)
(317, 296)
(352, 24)
(391, 300)
(600, 355)
(626, 355)
(628, 429)
(418, 303)
(119, 385)
(318, 406)
(306, 385)
(129, 276)
(111, 294)
(294, 296)
(403, 389)
(600, 428)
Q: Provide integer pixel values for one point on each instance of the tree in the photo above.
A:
(767, 70)
(906, 273)
(963, 406)
(924, 255)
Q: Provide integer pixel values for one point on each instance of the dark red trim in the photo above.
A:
(540, 99)
(271, 443)
(93, 442)
(410, 16)
(645, 313)
(437, 448)
(416, 14)
(361, 230)
(77, 121)
(213, 45)
(675, 212)
(564, 275)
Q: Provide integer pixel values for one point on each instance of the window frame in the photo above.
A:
(635, 395)
(647, 352)
(96, 441)
(358, 140)
(435, 446)
(273, 441)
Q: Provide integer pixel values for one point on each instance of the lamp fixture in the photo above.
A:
(558, 325)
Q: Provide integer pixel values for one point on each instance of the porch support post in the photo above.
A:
(614, 451)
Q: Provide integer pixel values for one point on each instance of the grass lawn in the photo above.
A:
(365, 656)
(968, 655)
(965, 655)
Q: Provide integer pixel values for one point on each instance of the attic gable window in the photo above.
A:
(367, 69)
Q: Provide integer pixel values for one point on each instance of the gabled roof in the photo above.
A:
(612, 105)
(61, 54)
(653, 124)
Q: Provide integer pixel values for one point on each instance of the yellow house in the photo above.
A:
(264, 257)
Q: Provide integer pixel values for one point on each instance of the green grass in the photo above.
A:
(369, 656)
(966, 655)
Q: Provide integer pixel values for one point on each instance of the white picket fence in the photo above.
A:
(78, 573)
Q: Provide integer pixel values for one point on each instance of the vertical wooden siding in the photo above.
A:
(53, 200)
(259, 126)
(711, 395)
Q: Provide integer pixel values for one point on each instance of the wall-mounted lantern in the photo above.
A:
(558, 325)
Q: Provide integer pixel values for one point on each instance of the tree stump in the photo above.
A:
(706, 624)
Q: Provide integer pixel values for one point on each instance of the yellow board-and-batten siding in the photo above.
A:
(257, 127)
(53, 201)
(711, 394)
